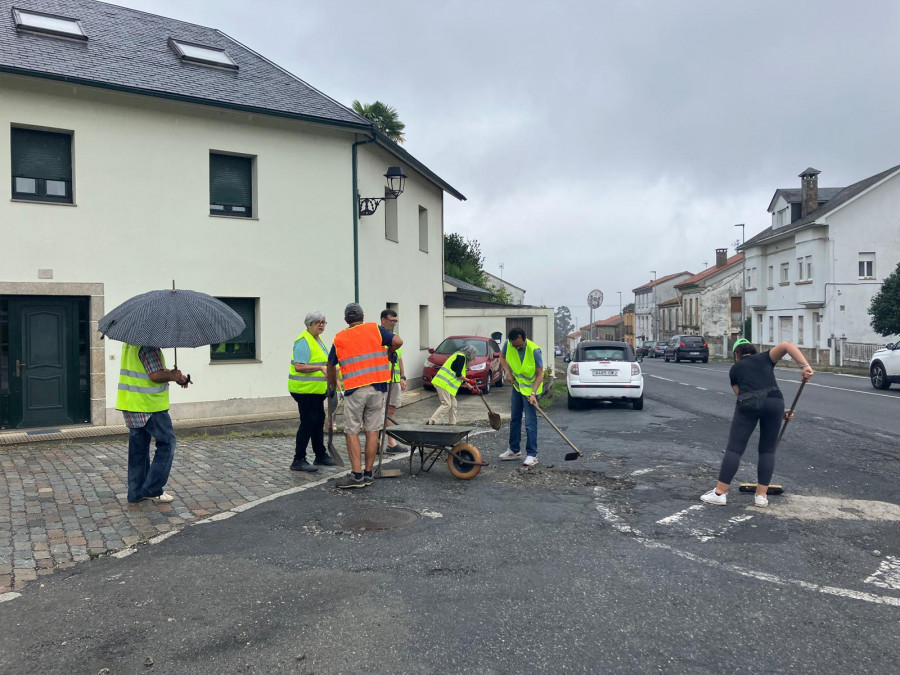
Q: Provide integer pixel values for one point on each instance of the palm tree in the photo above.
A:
(384, 117)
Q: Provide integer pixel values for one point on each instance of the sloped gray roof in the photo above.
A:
(128, 50)
(841, 198)
(465, 285)
(795, 195)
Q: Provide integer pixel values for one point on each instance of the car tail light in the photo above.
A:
(635, 369)
(704, 344)
(681, 344)
(574, 370)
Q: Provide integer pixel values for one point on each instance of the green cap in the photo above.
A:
(742, 341)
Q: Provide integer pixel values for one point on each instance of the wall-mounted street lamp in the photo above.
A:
(396, 181)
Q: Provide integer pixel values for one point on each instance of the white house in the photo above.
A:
(516, 294)
(139, 150)
(812, 274)
(710, 302)
(646, 301)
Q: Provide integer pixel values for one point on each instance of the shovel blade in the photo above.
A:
(570, 456)
(335, 455)
(388, 473)
(494, 419)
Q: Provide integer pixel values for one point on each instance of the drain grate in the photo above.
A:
(379, 519)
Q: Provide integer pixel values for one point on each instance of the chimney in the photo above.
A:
(809, 190)
(721, 257)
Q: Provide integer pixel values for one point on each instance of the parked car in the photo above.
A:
(687, 348)
(884, 368)
(657, 349)
(604, 371)
(644, 349)
(484, 369)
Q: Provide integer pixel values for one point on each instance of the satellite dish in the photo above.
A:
(595, 298)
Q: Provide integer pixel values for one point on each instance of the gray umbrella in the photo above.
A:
(172, 318)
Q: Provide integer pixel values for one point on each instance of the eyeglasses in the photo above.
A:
(320, 323)
(393, 320)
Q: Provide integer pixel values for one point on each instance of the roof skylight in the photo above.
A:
(48, 24)
(195, 53)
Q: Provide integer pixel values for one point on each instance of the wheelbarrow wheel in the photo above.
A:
(461, 465)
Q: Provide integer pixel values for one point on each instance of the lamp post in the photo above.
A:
(743, 283)
(621, 318)
(655, 317)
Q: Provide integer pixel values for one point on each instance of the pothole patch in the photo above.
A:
(379, 518)
(826, 508)
(556, 478)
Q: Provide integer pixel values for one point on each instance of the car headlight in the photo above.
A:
(478, 368)
(430, 364)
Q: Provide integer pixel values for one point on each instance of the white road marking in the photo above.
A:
(702, 388)
(658, 377)
(640, 472)
(482, 431)
(887, 575)
(6, 597)
(826, 386)
(623, 528)
(675, 517)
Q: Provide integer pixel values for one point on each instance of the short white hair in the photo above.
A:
(469, 351)
(312, 317)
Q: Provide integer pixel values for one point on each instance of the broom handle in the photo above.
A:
(558, 430)
(791, 410)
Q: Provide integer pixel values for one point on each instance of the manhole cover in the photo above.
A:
(379, 519)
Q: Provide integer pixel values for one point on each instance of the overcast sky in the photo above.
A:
(597, 140)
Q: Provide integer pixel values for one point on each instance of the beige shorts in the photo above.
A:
(395, 395)
(363, 410)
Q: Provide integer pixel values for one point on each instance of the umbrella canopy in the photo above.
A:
(172, 318)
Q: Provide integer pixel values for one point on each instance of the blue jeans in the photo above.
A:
(146, 479)
(519, 405)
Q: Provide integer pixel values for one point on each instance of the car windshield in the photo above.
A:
(451, 345)
(604, 354)
(648, 343)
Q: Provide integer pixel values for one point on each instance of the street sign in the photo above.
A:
(595, 298)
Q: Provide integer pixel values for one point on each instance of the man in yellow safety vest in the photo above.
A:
(523, 367)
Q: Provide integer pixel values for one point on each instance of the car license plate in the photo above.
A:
(695, 353)
(600, 373)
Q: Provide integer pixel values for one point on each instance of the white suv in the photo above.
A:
(885, 366)
(604, 371)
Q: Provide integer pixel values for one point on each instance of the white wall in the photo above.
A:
(141, 219)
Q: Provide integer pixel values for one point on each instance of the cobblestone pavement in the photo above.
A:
(63, 503)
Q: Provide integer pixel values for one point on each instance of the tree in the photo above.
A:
(885, 307)
(628, 308)
(384, 117)
(463, 259)
(563, 324)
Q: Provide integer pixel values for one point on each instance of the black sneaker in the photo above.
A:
(324, 461)
(303, 465)
(350, 481)
(368, 478)
(396, 449)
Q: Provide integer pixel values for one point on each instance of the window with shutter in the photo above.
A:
(241, 346)
(41, 165)
(230, 185)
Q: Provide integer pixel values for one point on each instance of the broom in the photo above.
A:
(776, 489)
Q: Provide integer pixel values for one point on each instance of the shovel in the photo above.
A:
(332, 406)
(493, 418)
(382, 440)
(569, 455)
(773, 488)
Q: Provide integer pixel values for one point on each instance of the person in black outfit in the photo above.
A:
(751, 374)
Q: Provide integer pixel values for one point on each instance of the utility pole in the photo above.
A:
(621, 318)
(743, 285)
(655, 309)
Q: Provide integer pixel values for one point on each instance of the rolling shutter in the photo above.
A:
(230, 181)
(41, 154)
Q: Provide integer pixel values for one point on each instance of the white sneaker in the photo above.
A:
(509, 454)
(164, 498)
(712, 498)
(531, 460)
(760, 501)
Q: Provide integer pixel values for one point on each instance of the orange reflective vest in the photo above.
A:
(361, 356)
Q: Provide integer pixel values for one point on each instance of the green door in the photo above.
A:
(47, 361)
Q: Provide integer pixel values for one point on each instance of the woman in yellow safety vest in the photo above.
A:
(449, 378)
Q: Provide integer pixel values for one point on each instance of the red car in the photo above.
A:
(484, 369)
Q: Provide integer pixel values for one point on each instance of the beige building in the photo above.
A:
(196, 160)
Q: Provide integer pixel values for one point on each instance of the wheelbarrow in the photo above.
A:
(433, 441)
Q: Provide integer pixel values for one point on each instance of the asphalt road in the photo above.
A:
(606, 564)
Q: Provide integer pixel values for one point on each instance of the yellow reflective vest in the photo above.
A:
(446, 379)
(137, 392)
(309, 383)
(524, 370)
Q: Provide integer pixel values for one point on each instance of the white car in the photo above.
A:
(604, 371)
(884, 368)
